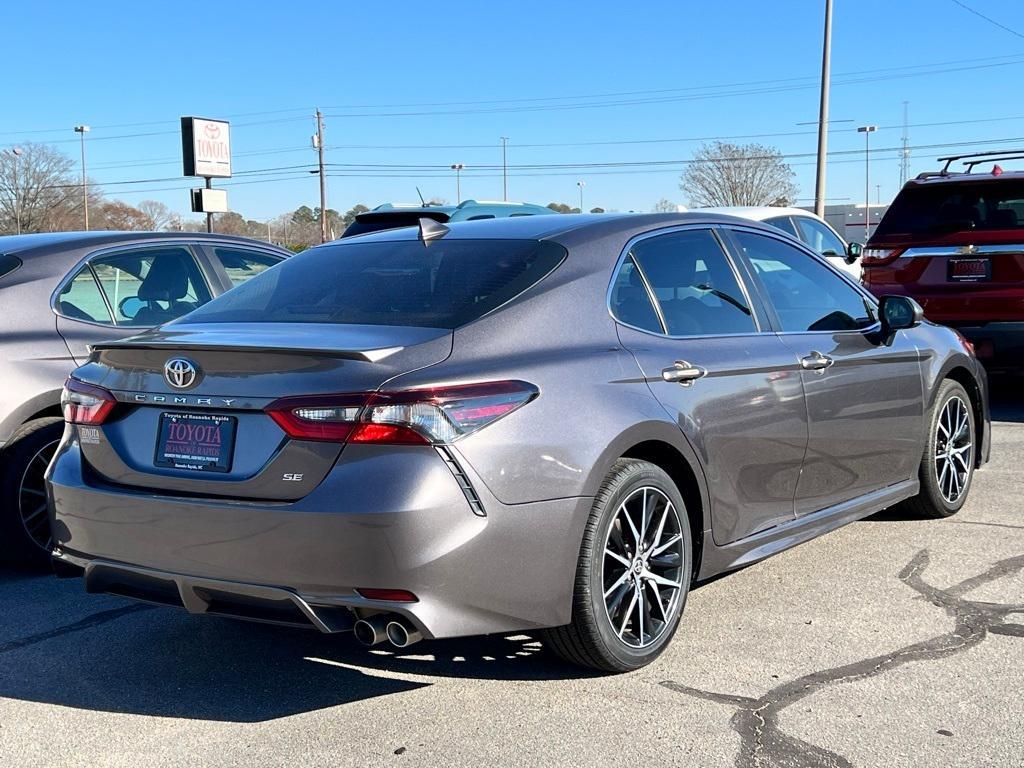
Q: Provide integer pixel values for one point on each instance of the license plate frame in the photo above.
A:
(195, 442)
(969, 270)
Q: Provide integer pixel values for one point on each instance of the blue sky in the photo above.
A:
(390, 75)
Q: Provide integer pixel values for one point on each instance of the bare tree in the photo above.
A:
(664, 206)
(163, 218)
(39, 188)
(119, 216)
(731, 174)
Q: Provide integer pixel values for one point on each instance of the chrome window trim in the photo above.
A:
(188, 245)
(627, 253)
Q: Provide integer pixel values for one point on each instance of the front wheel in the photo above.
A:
(633, 572)
(947, 466)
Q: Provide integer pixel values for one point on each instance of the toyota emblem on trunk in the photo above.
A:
(180, 373)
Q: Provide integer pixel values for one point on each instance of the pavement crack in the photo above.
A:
(93, 620)
(764, 744)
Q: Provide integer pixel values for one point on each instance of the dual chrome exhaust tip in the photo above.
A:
(389, 627)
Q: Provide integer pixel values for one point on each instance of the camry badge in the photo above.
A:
(180, 373)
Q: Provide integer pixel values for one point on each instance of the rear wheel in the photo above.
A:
(947, 466)
(25, 537)
(633, 572)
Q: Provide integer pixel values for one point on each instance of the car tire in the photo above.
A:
(25, 539)
(620, 622)
(947, 466)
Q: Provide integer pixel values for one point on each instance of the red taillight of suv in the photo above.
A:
(407, 417)
(878, 257)
(85, 403)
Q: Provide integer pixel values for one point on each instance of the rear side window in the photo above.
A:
(81, 299)
(946, 207)
(440, 284)
(8, 264)
(629, 301)
(697, 292)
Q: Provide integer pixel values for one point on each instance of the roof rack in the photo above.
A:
(983, 157)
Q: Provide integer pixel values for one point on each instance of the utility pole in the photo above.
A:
(826, 57)
(905, 155)
(323, 178)
(504, 168)
(82, 130)
(867, 130)
(581, 184)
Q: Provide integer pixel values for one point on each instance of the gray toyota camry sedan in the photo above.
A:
(552, 423)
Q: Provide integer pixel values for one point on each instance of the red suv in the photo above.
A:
(955, 243)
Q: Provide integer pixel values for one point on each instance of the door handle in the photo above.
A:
(816, 362)
(683, 373)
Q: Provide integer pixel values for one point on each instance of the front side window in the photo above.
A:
(439, 284)
(806, 294)
(151, 286)
(819, 237)
(696, 289)
(81, 299)
(242, 265)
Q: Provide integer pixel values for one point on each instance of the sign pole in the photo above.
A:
(209, 216)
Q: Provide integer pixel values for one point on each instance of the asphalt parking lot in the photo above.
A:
(889, 642)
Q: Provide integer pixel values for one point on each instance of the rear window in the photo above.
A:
(363, 225)
(8, 264)
(438, 285)
(955, 207)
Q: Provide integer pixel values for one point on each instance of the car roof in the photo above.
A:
(553, 227)
(931, 178)
(757, 212)
(55, 241)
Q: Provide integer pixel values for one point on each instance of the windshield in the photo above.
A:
(955, 207)
(443, 284)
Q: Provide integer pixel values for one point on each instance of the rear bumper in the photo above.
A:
(384, 517)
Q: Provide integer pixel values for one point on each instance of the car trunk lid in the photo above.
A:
(240, 369)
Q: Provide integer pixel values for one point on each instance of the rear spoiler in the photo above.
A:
(365, 355)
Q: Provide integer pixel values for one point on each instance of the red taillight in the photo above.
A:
(325, 418)
(878, 256)
(393, 595)
(85, 403)
(409, 417)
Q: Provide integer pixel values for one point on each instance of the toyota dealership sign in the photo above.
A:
(206, 147)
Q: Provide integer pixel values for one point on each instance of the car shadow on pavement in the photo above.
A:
(141, 659)
(1006, 397)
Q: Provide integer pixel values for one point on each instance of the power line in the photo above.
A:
(651, 97)
(989, 19)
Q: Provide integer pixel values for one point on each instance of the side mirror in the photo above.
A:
(898, 312)
(853, 252)
(129, 306)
